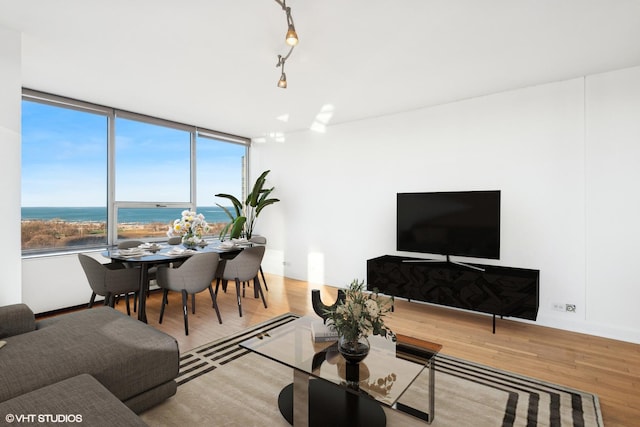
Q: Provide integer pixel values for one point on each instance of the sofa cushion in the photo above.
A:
(16, 319)
(80, 400)
(128, 357)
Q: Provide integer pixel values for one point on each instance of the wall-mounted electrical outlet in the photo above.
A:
(565, 308)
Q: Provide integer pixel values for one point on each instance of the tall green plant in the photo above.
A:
(244, 215)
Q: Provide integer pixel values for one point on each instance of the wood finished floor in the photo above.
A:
(607, 368)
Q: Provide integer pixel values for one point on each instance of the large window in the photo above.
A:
(92, 175)
(64, 177)
(218, 167)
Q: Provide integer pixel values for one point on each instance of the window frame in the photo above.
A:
(113, 205)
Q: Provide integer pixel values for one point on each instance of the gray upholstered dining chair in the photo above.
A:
(193, 276)
(260, 240)
(109, 280)
(174, 240)
(243, 268)
(151, 274)
(128, 244)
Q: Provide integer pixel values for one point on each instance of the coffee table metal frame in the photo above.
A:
(399, 362)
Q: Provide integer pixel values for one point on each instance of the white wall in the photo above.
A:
(55, 282)
(10, 95)
(613, 200)
(338, 190)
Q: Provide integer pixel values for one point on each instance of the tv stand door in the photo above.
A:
(501, 291)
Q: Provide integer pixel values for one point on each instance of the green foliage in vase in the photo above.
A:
(244, 215)
(360, 314)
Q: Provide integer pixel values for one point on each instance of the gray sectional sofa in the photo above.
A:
(72, 360)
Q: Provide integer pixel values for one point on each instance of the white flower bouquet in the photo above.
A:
(191, 226)
(360, 314)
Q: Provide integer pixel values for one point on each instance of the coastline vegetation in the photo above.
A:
(57, 233)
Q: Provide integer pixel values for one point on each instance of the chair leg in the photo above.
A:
(126, 300)
(215, 303)
(193, 303)
(135, 301)
(256, 294)
(185, 311)
(165, 292)
(256, 283)
(238, 297)
(92, 300)
(264, 280)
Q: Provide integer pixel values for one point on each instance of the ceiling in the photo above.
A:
(213, 63)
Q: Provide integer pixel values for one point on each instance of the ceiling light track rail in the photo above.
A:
(291, 38)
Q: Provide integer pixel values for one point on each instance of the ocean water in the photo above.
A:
(212, 214)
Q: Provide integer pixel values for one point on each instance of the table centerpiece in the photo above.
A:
(360, 314)
(191, 226)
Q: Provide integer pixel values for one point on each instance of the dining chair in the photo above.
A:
(260, 240)
(109, 280)
(175, 240)
(193, 276)
(128, 244)
(243, 268)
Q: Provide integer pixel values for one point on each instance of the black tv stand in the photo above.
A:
(498, 291)
(447, 260)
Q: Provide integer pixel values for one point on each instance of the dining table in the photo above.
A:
(149, 255)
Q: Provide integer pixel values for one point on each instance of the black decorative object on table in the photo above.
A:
(354, 351)
(320, 308)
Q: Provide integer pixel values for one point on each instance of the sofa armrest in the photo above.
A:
(16, 319)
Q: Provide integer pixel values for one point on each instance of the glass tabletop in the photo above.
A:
(386, 373)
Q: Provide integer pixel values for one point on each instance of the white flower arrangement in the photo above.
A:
(191, 226)
(360, 314)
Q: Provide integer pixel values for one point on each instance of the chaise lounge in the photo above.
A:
(136, 363)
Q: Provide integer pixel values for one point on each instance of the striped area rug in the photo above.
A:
(223, 384)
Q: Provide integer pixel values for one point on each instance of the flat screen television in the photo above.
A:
(460, 223)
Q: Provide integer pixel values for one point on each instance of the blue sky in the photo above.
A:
(64, 161)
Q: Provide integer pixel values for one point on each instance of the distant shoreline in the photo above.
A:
(59, 233)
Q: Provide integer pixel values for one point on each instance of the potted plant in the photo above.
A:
(356, 317)
(244, 215)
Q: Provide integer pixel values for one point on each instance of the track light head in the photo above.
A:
(291, 37)
(282, 83)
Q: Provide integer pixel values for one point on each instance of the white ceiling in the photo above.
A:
(212, 63)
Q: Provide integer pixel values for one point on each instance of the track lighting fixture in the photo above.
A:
(291, 38)
(283, 81)
(283, 77)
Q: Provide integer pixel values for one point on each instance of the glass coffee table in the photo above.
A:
(328, 391)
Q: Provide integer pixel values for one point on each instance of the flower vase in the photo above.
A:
(190, 241)
(354, 351)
